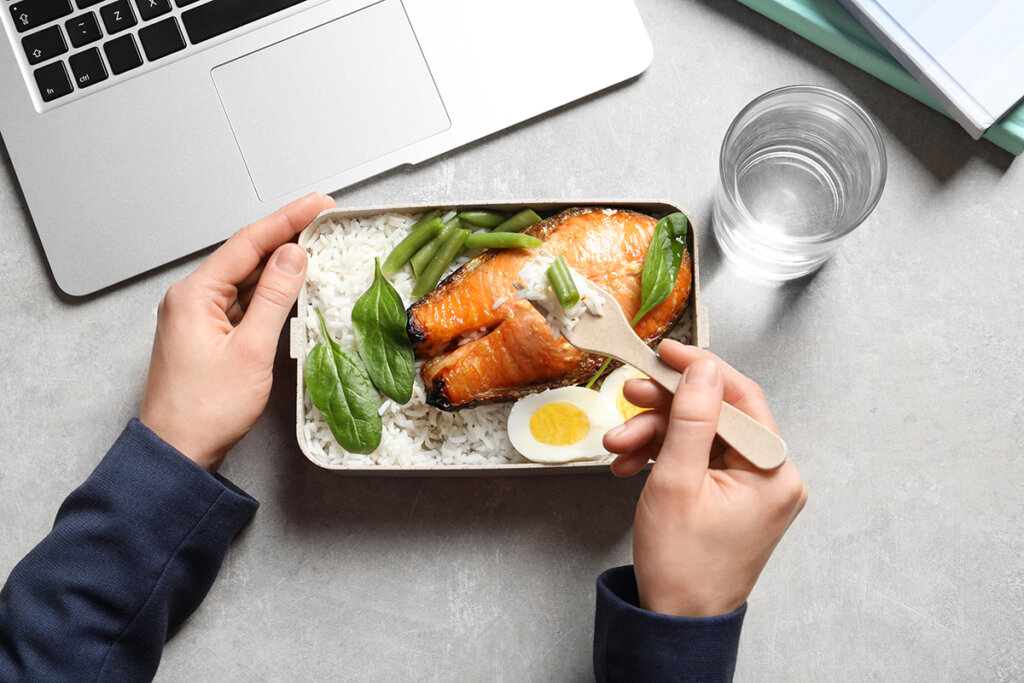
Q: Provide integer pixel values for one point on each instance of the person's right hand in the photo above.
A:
(707, 520)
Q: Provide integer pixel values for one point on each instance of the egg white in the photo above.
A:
(600, 413)
(613, 384)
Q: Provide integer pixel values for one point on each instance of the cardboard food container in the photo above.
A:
(298, 341)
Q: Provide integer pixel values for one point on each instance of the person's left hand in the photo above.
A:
(217, 332)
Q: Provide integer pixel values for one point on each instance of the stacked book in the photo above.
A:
(964, 58)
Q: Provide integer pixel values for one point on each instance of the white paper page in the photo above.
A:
(980, 43)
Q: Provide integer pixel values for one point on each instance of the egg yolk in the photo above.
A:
(627, 409)
(559, 424)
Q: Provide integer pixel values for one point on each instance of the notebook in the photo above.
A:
(969, 55)
(829, 25)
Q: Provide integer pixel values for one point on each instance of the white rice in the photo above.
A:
(533, 285)
(415, 434)
(341, 258)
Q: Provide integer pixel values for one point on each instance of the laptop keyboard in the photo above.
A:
(75, 44)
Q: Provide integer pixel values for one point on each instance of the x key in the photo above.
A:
(148, 9)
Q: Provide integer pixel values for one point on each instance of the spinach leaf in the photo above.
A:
(661, 268)
(661, 265)
(379, 319)
(342, 391)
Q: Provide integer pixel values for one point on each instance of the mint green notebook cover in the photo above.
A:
(827, 24)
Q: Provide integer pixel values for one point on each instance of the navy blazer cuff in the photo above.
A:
(632, 644)
(132, 553)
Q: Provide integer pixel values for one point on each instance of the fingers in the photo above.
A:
(691, 437)
(693, 419)
(272, 299)
(739, 390)
(637, 440)
(237, 258)
(646, 393)
(244, 290)
(246, 286)
(234, 313)
(628, 464)
(637, 432)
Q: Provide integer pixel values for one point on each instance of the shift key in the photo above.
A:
(28, 14)
(42, 45)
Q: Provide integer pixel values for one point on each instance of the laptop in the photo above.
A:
(142, 131)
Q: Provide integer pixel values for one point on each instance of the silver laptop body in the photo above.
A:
(129, 160)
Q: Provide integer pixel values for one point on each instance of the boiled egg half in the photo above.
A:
(612, 387)
(561, 425)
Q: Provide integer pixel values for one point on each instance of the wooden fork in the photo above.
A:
(611, 335)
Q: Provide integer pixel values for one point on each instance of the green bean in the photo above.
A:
(482, 218)
(562, 283)
(517, 222)
(445, 253)
(422, 257)
(501, 240)
(597, 375)
(422, 232)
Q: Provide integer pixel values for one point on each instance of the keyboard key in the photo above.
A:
(150, 9)
(28, 14)
(53, 81)
(161, 39)
(83, 29)
(117, 16)
(88, 68)
(220, 16)
(185, 3)
(82, 4)
(45, 44)
(123, 54)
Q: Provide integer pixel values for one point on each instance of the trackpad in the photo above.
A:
(330, 99)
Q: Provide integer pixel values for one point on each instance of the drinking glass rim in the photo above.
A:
(838, 97)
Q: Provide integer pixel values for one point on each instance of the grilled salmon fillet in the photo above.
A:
(484, 345)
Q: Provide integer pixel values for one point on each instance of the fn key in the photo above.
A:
(53, 81)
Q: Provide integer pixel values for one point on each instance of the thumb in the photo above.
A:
(273, 297)
(693, 419)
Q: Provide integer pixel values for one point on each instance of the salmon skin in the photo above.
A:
(484, 345)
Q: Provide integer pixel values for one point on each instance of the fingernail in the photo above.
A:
(615, 431)
(290, 259)
(703, 373)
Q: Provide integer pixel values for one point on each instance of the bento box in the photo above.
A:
(479, 447)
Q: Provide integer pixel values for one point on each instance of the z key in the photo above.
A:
(117, 16)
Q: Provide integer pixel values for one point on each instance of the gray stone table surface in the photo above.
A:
(895, 373)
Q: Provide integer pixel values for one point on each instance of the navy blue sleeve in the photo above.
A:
(132, 553)
(632, 644)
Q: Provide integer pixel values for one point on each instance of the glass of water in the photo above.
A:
(800, 168)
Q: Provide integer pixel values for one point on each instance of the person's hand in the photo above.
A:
(217, 332)
(707, 520)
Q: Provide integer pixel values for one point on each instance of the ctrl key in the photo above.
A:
(88, 68)
(53, 81)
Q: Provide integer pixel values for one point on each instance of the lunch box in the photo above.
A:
(298, 340)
